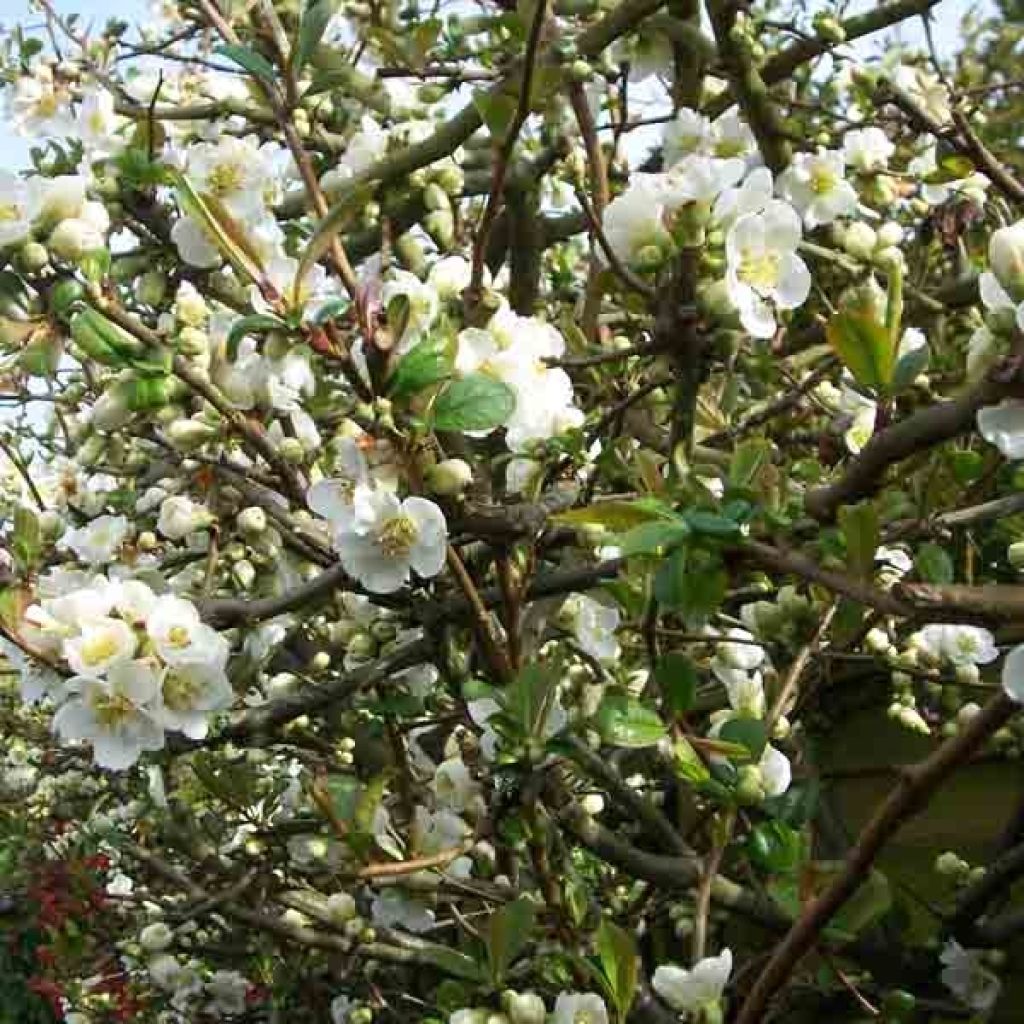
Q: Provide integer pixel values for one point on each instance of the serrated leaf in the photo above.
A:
(934, 564)
(862, 533)
(258, 323)
(617, 516)
(249, 59)
(864, 347)
(749, 733)
(620, 964)
(473, 402)
(426, 363)
(623, 721)
(315, 19)
(676, 677)
(654, 537)
(507, 935)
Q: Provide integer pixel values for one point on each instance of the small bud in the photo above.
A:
(187, 435)
(244, 573)
(341, 907)
(252, 521)
(33, 257)
(1006, 258)
(450, 477)
(860, 240)
(291, 450)
(156, 937)
(147, 541)
(749, 785)
(1015, 554)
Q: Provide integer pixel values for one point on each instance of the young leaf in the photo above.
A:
(245, 57)
(424, 364)
(496, 110)
(748, 460)
(620, 964)
(862, 532)
(315, 20)
(864, 347)
(623, 721)
(508, 932)
(677, 680)
(933, 564)
(653, 538)
(616, 515)
(749, 733)
(258, 323)
(473, 402)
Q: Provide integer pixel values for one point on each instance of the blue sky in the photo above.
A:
(14, 150)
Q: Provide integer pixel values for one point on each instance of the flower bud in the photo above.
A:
(193, 342)
(860, 240)
(890, 233)
(440, 225)
(749, 785)
(187, 435)
(155, 937)
(252, 521)
(1015, 554)
(949, 865)
(291, 450)
(244, 573)
(112, 409)
(341, 907)
(450, 477)
(1006, 258)
(33, 257)
(523, 1007)
(74, 237)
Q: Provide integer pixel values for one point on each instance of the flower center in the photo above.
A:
(180, 692)
(397, 536)
(823, 180)
(9, 212)
(111, 710)
(759, 269)
(726, 148)
(99, 648)
(225, 179)
(47, 105)
(177, 636)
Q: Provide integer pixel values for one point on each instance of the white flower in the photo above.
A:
(776, 771)
(114, 714)
(180, 516)
(967, 978)
(195, 246)
(233, 171)
(752, 196)
(579, 1008)
(17, 208)
(634, 223)
(227, 990)
(1013, 674)
(688, 991)
(365, 147)
(732, 137)
(594, 624)
(37, 108)
(102, 643)
(386, 538)
(189, 693)
(763, 266)
(96, 122)
(1003, 426)
(450, 276)
(688, 132)
(422, 302)
(181, 639)
(99, 541)
(815, 185)
(867, 149)
(699, 179)
(959, 645)
(156, 937)
(972, 187)
(393, 908)
(925, 90)
(453, 784)
(745, 690)
(60, 198)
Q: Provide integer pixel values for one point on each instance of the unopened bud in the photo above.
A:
(450, 477)
(252, 521)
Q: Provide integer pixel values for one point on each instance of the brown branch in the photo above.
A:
(909, 798)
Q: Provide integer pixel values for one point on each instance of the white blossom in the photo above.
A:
(688, 991)
(180, 516)
(815, 184)
(964, 974)
(99, 541)
(579, 1008)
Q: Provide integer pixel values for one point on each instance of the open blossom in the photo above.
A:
(958, 645)
(180, 516)
(579, 1008)
(634, 224)
(973, 187)
(99, 541)
(867, 149)
(1003, 426)
(233, 171)
(925, 90)
(114, 714)
(815, 184)
(189, 693)
(388, 538)
(17, 208)
(964, 974)
(764, 270)
(1013, 674)
(181, 639)
(688, 991)
(102, 643)
(593, 624)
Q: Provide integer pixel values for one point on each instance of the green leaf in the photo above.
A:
(96, 265)
(711, 524)
(749, 458)
(527, 700)
(676, 677)
(864, 347)
(245, 57)
(862, 533)
(473, 402)
(26, 541)
(623, 721)
(933, 564)
(950, 167)
(652, 538)
(315, 19)
(692, 583)
(687, 764)
(452, 962)
(330, 310)
(620, 964)
(908, 367)
(507, 935)
(496, 110)
(749, 733)
(352, 201)
(424, 364)
(258, 323)
(775, 847)
(617, 516)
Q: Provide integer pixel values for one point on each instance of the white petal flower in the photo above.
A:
(114, 714)
(925, 90)
(594, 624)
(387, 538)
(1006, 258)
(634, 223)
(957, 645)
(867, 149)
(180, 516)
(233, 171)
(189, 693)
(393, 908)
(698, 179)
(1003, 426)
(195, 246)
(965, 975)
(1013, 674)
(453, 784)
(99, 541)
(776, 771)
(689, 990)
(17, 208)
(815, 184)
(102, 643)
(579, 1008)
(688, 132)
(752, 196)
(423, 305)
(181, 639)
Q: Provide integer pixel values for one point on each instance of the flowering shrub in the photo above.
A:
(460, 469)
